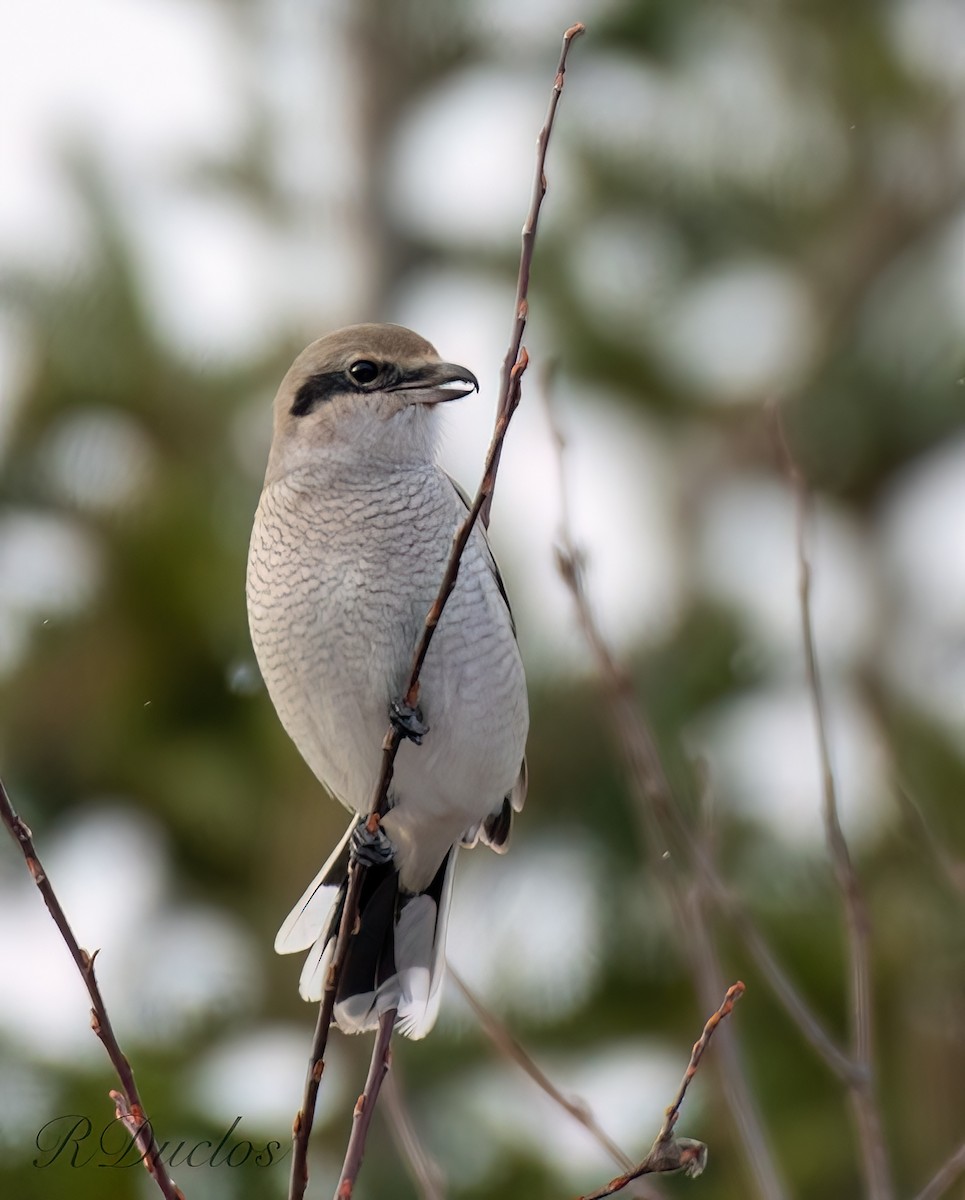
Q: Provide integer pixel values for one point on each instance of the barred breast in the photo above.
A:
(341, 573)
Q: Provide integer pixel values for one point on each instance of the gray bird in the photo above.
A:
(350, 541)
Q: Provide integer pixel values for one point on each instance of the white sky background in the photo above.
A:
(156, 86)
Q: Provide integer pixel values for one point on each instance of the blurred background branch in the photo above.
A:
(425, 1171)
(862, 1083)
(666, 839)
(508, 1046)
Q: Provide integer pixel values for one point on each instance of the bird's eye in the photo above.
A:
(364, 371)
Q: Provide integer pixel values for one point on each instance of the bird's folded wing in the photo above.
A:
(517, 797)
(467, 503)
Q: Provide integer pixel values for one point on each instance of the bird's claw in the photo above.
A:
(371, 849)
(407, 720)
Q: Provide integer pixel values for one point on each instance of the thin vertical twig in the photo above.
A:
(861, 1083)
(515, 1052)
(509, 398)
(950, 869)
(661, 814)
(128, 1106)
(662, 829)
(365, 1106)
(521, 308)
(731, 1071)
(390, 746)
(426, 1173)
(783, 988)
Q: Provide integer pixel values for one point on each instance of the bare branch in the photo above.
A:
(304, 1118)
(662, 826)
(511, 1049)
(861, 1087)
(660, 811)
(390, 747)
(365, 1106)
(945, 1176)
(521, 311)
(667, 1152)
(785, 991)
(950, 868)
(510, 392)
(731, 1072)
(425, 1171)
(127, 1102)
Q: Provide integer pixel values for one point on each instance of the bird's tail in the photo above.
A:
(396, 957)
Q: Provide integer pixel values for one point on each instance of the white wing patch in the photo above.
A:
(422, 987)
(311, 982)
(415, 989)
(308, 920)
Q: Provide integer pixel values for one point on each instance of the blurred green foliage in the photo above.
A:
(145, 692)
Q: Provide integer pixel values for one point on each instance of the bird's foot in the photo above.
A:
(407, 720)
(371, 849)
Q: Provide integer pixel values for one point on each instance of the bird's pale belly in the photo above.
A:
(335, 654)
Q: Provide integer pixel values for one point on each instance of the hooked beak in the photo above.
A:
(431, 383)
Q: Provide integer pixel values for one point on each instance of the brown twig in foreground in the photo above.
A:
(860, 1082)
(509, 398)
(667, 1152)
(529, 238)
(365, 1106)
(390, 747)
(127, 1102)
(511, 1049)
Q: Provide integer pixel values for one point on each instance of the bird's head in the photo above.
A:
(363, 394)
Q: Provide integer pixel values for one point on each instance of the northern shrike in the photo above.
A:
(350, 541)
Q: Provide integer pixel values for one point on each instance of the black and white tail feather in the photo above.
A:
(396, 959)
